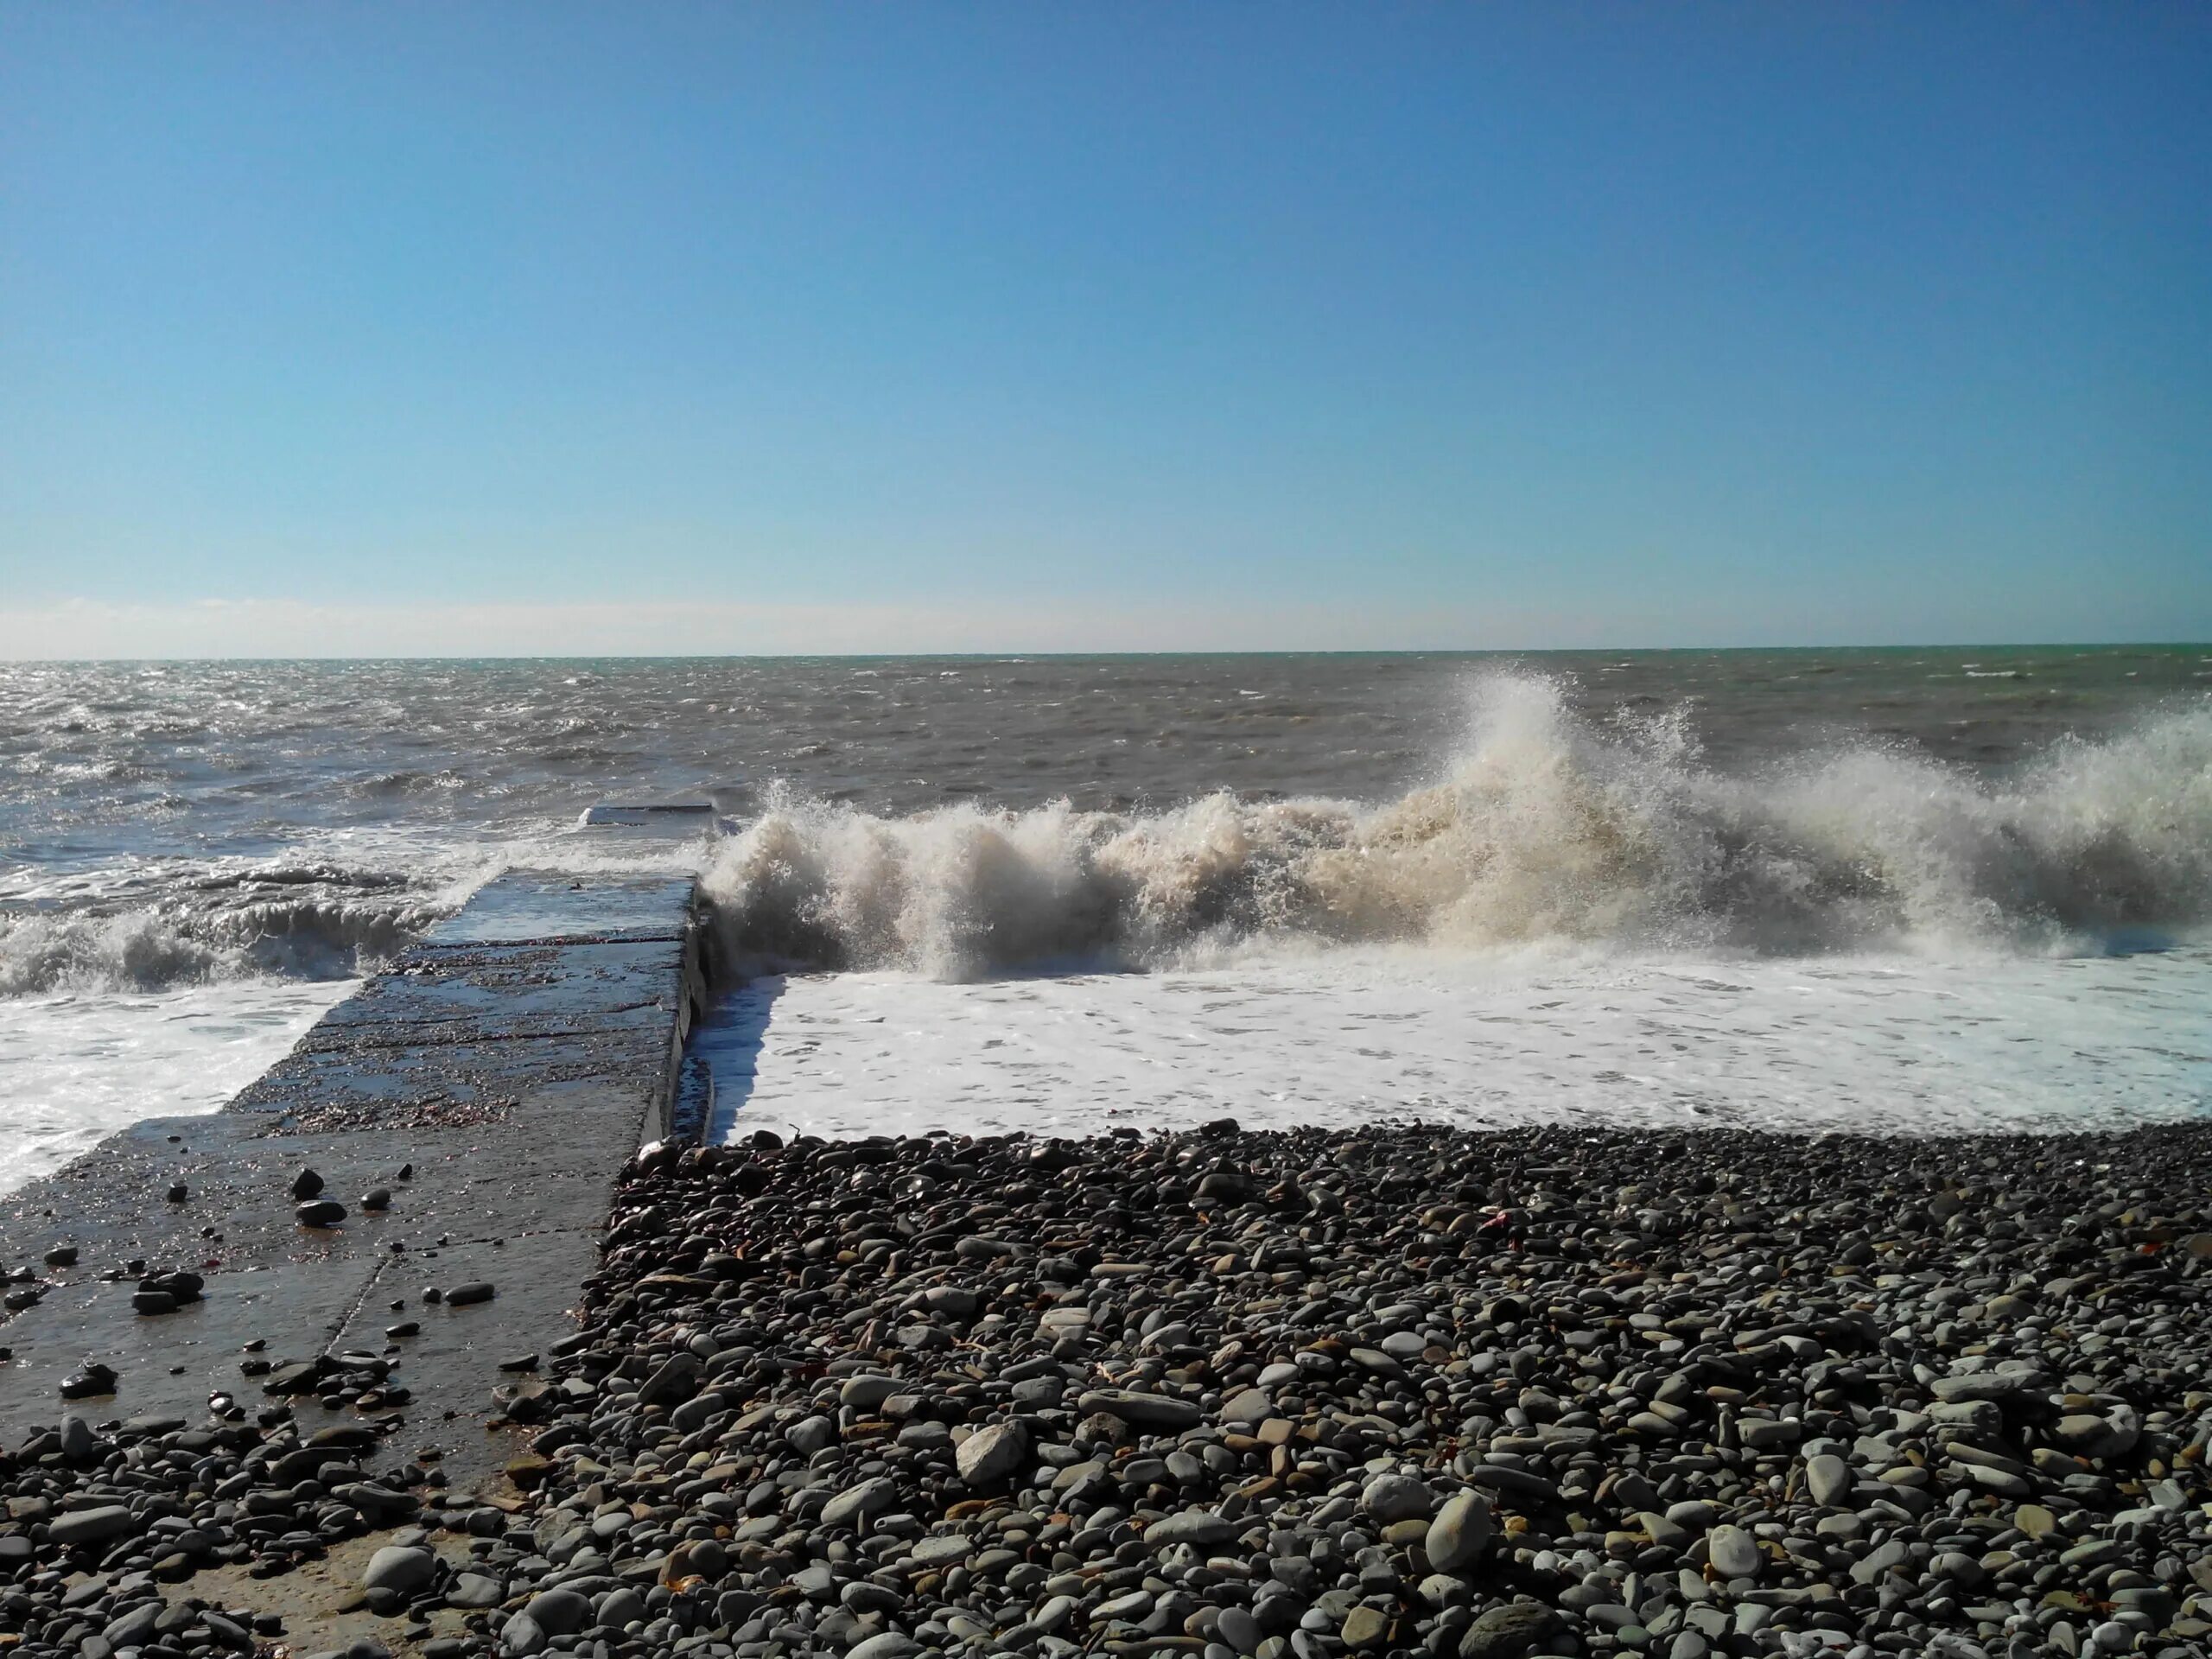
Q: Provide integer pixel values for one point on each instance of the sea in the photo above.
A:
(1904, 891)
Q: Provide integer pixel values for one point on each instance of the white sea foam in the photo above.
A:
(81, 1066)
(1879, 1044)
(1542, 827)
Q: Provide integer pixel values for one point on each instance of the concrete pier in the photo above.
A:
(493, 1079)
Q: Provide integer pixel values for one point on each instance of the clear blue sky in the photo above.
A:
(691, 327)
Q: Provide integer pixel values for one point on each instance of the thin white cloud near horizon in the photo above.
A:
(75, 629)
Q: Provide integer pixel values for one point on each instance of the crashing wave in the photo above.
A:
(189, 941)
(1542, 827)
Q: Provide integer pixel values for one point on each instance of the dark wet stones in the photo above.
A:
(307, 1185)
(164, 1293)
(376, 1197)
(92, 1381)
(297, 1377)
(319, 1212)
(466, 1295)
(380, 1504)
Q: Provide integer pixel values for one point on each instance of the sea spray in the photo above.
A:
(1542, 826)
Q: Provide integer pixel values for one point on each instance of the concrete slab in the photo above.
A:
(659, 820)
(451, 1364)
(521, 989)
(514, 1063)
(358, 1085)
(238, 1214)
(170, 1364)
(544, 906)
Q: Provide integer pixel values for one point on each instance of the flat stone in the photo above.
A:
(856, 1504)
(1996, 1387)
(866, 1393)
(1880, 1562)
(990, 1455)
(1142, 1410)
(1238, 1631)
(475, 1590)
(1365, 1627)
(93, 1526)
(1246, 1406)
(1507, 1632)
(1201, 1528)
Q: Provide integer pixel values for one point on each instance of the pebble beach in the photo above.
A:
(1282, 1394)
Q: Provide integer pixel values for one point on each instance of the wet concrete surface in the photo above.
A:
(514, 1071)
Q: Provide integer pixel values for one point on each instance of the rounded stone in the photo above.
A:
(1734, 1552)
(1827, 1479)
(1396, 1497)
(401, 1567)
(1461, 1531)
(559, 1613)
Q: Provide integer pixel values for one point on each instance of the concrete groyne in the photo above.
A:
(466, 1110)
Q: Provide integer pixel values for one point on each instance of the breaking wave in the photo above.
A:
(299, 924)
(1542, 828)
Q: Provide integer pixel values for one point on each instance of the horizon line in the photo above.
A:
(1102, 655)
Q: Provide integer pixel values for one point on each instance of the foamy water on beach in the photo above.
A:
(1890, 1044)
(1911, 889)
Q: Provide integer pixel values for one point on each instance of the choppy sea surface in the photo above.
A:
(1915, 888)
